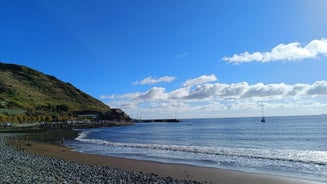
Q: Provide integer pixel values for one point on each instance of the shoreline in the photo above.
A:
(176, 171)
(20, 166)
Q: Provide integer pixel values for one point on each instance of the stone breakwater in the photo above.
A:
(50, 126)
(18, 166)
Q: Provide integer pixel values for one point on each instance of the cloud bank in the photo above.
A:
(150, 80)
(200, 80)
(283, 52)
(204, 97)
(222, 91)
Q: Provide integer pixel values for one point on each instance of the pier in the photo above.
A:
(84, 125)
(156, 120)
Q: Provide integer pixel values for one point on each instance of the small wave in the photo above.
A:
(301, 156)
(83, 135)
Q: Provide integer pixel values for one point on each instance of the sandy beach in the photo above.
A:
(178, 171)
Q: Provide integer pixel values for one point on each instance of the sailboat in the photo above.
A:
(263, 119)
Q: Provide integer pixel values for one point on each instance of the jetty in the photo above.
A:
(156, 120)
(84, 125)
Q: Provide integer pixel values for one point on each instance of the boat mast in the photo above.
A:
(263, 120)
(262, 111)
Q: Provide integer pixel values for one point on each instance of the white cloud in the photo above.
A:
(298, 90)
(270, 90)
(179, 93)
(151, 80)
(233, 90)
(222, 91)
(318, 88)
(124, 104)
(174, 106)
(107, 96)
(200, 80)
(200, 97)
(205, 91)
(155, 93)
(283, 52)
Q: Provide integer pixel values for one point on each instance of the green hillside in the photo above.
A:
(24, 91)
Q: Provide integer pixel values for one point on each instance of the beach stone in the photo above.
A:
(18, 166)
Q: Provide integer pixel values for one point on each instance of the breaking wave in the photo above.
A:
(299, 156)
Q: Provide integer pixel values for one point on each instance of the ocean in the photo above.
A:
(293, 146)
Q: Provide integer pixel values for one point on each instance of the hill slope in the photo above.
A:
(31, 91)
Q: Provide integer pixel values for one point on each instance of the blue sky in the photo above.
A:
(183, 59)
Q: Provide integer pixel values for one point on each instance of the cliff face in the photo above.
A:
(23, 89)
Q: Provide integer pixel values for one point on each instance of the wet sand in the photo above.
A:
(178, 171)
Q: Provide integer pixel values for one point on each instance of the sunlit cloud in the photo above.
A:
(200, 80)
(201, 97)
(270, 90)
(283, 52)
(151, 80)
(222, 91)
(107, 96)
(155, 93)
(318, 88)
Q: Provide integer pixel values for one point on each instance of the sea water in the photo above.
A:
(292, 146)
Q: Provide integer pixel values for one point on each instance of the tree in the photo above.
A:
(3, 118)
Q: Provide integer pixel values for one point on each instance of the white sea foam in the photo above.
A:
(302, 156)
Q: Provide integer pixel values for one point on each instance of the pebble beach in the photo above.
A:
(18, 166)
(32, 162)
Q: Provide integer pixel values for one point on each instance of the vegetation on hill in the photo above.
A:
(29, 95)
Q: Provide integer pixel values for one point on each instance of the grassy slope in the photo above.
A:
(28, 89)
